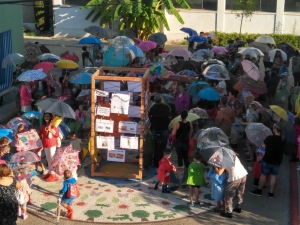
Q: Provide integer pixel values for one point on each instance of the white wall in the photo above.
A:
(291, 20)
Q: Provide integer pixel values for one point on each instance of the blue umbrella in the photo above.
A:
(64, 130)
(187, 72)
(158, 38)
(31, 75)
(7, 133)
(97, 31)
(110, 60)
(197, 38)
(136, 50)
(209, 94)
(196, 87)
(89, 40)
(32, 115)
(81, 78)
(169, 99)
(189, 31)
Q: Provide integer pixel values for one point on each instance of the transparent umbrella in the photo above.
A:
(257, 132)
(212, 134)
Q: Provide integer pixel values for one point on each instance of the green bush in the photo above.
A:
(278, 38)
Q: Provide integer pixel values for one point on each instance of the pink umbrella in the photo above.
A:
(219, 49)
(15, 122)
(251, 69)
(147, 45)
(45, 66)
(137, 40)
(65, 158)
(181, 52)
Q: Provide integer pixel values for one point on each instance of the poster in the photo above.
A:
(134, 111)
(111, 86)
(129, 142)
(128, 93)
(116, 155)
(120, 103)
(105, 142)
(134, 86)
(29, 140)
(127, 127)
(99, 93)
(106, 126)
(102, 111)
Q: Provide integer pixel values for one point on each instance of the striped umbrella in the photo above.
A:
(147, 45)
(137, 40)
(48, 57)
(158, 38)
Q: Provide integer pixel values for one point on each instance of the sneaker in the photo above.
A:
(196, 203)
(255, 185)
(237, 210)
(156, 186)
(52, 178)
(271, 195)
(19, 211)
(24, 216)
(191, 204)
(256, 192)
(227, 214)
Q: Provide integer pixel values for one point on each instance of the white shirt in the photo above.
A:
(222, 85)
(236, 172)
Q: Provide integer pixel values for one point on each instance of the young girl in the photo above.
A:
(18, 143)
(218, 186)
(25, 189)
(195, 179)
(65, 201)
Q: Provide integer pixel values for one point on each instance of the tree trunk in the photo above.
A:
(241, 25)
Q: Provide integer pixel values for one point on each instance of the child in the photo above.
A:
(80, 117)
(25, 189)
(195, 179)
(18, 143)
(164, 169)
(6, 156)
(65, 201)
(218, 187)
(76, 144)
(4, 141)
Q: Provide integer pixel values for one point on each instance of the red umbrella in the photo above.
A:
(70, 56)
(178, 78)
(45, 66)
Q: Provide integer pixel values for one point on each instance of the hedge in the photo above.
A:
(292, 39)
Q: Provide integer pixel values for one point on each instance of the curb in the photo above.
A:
(294, 202)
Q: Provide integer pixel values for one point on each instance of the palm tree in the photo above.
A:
(145, 16)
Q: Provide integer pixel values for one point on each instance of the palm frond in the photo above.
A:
(162, 17)
(183, 4)
(177, 15)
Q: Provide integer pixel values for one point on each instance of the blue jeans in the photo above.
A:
(267, 168)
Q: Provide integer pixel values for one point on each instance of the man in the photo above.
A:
(225, 117)
(159, 118)
(274, 146)
(86, 56)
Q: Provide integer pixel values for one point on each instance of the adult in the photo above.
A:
(277, 62)
(86, 56)
(296, 68)
(182, 99)
(235, 104)
(25, 97)
(270, 163)
(235, 187)
(183, 132)
(49, 134)
(8, 201)
(159, 118)
(221, 87)
(225, 117)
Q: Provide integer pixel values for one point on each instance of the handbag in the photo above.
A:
(20, 197)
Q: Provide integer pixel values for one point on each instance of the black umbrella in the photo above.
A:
(203, 45)
(187, 65)
(287, 48)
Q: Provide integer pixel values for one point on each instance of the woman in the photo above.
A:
(182, 99)
(49, 135)
(277, 62)
(183, 132)
(8, 200)
(25, 97)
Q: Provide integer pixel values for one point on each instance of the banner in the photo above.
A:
(105, 142)
(116, 155)
(120, 103)
(30, 140)
(127, 127)
(106, 126)
(129, 142)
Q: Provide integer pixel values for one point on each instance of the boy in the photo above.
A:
(195, 179)
(164, 169)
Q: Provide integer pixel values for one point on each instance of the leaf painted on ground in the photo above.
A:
(164, 196)
(93, 213)
(182, 208)
(120, 186)
(84, 197)
(49, 205)
(102, 185)
(150, 200)
(161, 214)
(141, 205)
(115, 200)
(101, 199)
(120, 217)
(89, 182)
(103, 205)
(135, 199)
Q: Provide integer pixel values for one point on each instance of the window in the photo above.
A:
(75, 2)
(292, 6)
(201, 4)
(263, 5)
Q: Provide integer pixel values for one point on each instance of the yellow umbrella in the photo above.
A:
(66, 64)
(191, 117)
(279, 111)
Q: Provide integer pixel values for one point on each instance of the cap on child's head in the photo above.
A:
(197, 156)
(67, 174)
(167, 151)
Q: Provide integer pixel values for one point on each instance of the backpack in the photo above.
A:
(184, 135)
(73, 191)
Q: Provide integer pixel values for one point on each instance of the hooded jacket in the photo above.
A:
(164, 169)
(224, 119)
(65, 188)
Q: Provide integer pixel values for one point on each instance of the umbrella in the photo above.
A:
(65, 158)
(31, 52)
(120, 41)
(91, 70)
(216, 72)
(287, 48)
(136, 50)
(158, 38)
(194, 88)
(158, 69)
(187, 72)
(212, 134)
(32, 115)
(265, 39)
(32, 75)
(147, 45)
(14, 58)
(251, 51)
(279, 111)
(202, 55)
(110, 60)
(203, 45)
(15, 122)
(257, 133)
(59, 108)
(197, 38)
(219, 156)
(178, 78)
(186, 65)
(181, 52)
(272, 53)
(44, 104)
(64, 130)
(200, 112)
(191, 117)
(24, 157)
(97, 31)
(209, 94)
(7, 133)
(66, 64)
(189, 31)
(81, 78)
(123, 53)
(70, 56)
(137, 40)
(282, 95)
(261, 46)
(210, 35)
(83, 94)
(169, 99)
(251, 69)
(89, 41)
(258, 87)
(48, 57)
(219, 49)
(45, 66)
